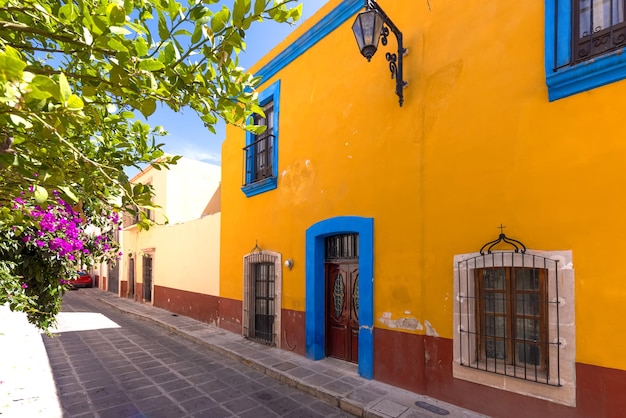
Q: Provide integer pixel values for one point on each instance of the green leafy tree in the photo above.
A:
(79, 80)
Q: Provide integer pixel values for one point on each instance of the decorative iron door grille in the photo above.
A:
(342, 247)
(509, 315)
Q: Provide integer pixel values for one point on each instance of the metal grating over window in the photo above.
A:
(597, 27)
(342, 247)
(260, 298)
(258, 158)
(259, 155)
(509, 315)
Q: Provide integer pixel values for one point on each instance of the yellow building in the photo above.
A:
(364, 230)
(175, 264)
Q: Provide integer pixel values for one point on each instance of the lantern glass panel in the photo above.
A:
(367, 29)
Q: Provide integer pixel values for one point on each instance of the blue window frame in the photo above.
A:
(261, 151)
(567, 73)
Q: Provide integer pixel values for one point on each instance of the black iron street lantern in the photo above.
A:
(372, 26)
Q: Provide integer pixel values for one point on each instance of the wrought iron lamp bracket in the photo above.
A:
(517, 245)
(395, 60)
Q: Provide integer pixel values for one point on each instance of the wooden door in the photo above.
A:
(342, 311)
(114, 279)
(147, 278)
(131, 278)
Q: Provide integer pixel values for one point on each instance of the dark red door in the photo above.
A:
(342, 311)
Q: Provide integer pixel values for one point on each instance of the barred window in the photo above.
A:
(260, 155)
(261, 304)
(583, 43)
(514, 317)
(598, 27)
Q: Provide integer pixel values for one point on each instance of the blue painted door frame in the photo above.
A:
(315, 317)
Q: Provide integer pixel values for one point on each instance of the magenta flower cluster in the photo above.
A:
(61, 230)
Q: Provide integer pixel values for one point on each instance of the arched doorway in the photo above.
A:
(316, 282)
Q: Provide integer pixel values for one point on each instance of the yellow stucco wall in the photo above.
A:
(476, 144)
(186, 255)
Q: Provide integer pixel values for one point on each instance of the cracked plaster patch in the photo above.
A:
(408, 323)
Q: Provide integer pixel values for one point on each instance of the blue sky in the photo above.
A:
(187, 135)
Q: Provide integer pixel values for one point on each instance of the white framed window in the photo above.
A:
(262, 297)
(514, 322)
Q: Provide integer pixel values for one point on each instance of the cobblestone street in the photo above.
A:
(141, 370)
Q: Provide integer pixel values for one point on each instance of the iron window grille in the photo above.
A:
(260, 301)
(259, 155)
(259, 159)
(597, 27)
(342, 247)
(509, 315)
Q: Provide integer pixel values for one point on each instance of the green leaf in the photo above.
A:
(220, 19)
(197, 33)
(69, 193)
(240, 8)
(164, 32)
(75, 102)
(141, 46)
(64, 88)
(259, 7)
(151, 64)
(117, 14)
(69, 12)
(116, 45)
(11, 64)
(148, 107)
(119, 30)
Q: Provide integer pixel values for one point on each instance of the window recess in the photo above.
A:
(508, 313)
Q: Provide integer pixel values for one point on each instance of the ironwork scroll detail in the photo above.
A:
(517, 245)
(339, 295)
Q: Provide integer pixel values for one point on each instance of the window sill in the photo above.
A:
(565, 395)
(527, 373)
(259, 187)
(587, 75)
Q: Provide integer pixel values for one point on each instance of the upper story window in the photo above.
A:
(261, 151)
(600, 27)
(583, 45)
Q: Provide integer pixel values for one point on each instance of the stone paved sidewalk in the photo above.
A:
(334, 382)
(26, 383)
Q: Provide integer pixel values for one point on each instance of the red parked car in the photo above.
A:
(83, 279)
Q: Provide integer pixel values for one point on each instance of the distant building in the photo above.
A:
(353, 227)
(175, 264)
